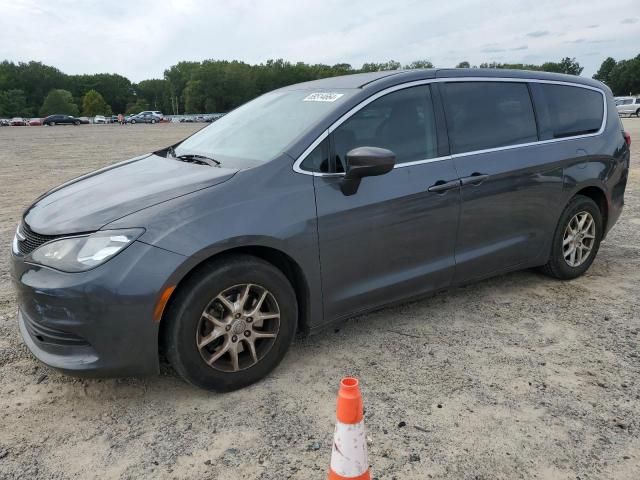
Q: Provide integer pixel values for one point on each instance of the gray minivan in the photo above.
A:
(311, 204)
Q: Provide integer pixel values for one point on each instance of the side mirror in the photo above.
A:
(366, 162)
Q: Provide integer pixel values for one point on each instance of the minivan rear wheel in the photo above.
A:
(230, 324)
(576, 240)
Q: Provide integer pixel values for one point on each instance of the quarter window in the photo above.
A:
(318, 159)
(565, 111)
(402, 121)
(482, 115)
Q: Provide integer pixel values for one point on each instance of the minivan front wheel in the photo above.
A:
(576, 240)
(230, 324)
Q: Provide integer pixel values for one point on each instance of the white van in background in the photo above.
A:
(628, 106)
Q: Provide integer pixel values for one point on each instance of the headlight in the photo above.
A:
(77, 254)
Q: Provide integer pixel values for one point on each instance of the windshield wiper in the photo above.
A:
(195, 158)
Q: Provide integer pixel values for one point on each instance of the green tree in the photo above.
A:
(116, 90)
(194, 97)
(378, 67)
(178, 75)
(567, 65)
(13, 103)
(463, 65)
(419, 64)
(59, 101)
(510, 66)
(33, 78)
(137, 107)
(93, 104)
(342, 69)
(624, 78)
(156, 92)
(221, 85)
(604, 72)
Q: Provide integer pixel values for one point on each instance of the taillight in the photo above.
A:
(627, 138)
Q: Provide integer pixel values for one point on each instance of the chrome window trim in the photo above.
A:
(367, 101)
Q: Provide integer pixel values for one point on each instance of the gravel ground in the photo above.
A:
(515, 377)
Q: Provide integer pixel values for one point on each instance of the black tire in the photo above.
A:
(53, 124)
(76, 123)
(637, 113)
(182, 319)
(133, 122)
(153, 121)
(557, 266)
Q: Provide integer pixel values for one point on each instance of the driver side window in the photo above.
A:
(402, 121)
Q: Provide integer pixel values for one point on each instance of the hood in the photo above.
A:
(89, 202)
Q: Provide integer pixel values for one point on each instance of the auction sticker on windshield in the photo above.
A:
(323, 97)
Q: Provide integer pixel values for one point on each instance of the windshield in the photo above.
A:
(259, 130)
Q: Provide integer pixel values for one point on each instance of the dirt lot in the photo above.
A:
(520, 376)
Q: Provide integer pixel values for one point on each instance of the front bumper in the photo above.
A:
(100, 322)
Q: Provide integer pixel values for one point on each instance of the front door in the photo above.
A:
(393, 238)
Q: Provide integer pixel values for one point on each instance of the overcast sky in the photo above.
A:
(140, 38)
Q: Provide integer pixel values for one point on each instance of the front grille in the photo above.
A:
(52, 335)
(32, 240)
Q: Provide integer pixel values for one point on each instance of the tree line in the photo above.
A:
(35, 89)
(623, 76)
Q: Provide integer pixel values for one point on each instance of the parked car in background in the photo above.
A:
(113, 119)
(84, 120)
(99, 119)
(35, 122)
(144, 118)
(18, 122)
(4, 122)
(52, 120)
(628, 106)
(157, 113)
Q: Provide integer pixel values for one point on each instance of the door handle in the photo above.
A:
(475, 179)
(442, 186)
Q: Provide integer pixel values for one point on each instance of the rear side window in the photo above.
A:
(565, 111)
(482, 115)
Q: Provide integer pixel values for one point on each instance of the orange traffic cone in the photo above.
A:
(349, 459)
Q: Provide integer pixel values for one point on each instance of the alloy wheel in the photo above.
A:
(238, 327)
(578, 239)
